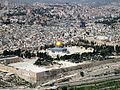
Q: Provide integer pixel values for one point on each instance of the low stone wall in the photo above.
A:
(7, 60)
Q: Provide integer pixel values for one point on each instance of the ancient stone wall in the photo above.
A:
(46, 76)
(7, 68)
(27, 75)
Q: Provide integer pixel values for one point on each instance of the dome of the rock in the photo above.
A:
(58, 44)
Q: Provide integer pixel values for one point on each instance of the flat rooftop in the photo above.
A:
(28, 65)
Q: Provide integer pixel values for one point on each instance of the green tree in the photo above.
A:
(82, 73)
(5, 52)
(17, 52)
(117, 49)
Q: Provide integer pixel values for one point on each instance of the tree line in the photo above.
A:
(101, 52)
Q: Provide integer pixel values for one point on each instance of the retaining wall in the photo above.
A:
(46, 76)
(4, 68)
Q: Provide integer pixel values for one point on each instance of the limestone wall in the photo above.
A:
(9, 60)
(46, 76)
(7, 68)
(27, 75)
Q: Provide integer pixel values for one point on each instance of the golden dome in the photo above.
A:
(58, 44)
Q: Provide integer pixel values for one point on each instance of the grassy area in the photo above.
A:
(103, 85)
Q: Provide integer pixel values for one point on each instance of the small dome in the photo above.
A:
(58, 44)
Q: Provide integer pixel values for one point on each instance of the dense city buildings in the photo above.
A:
(41, 24)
